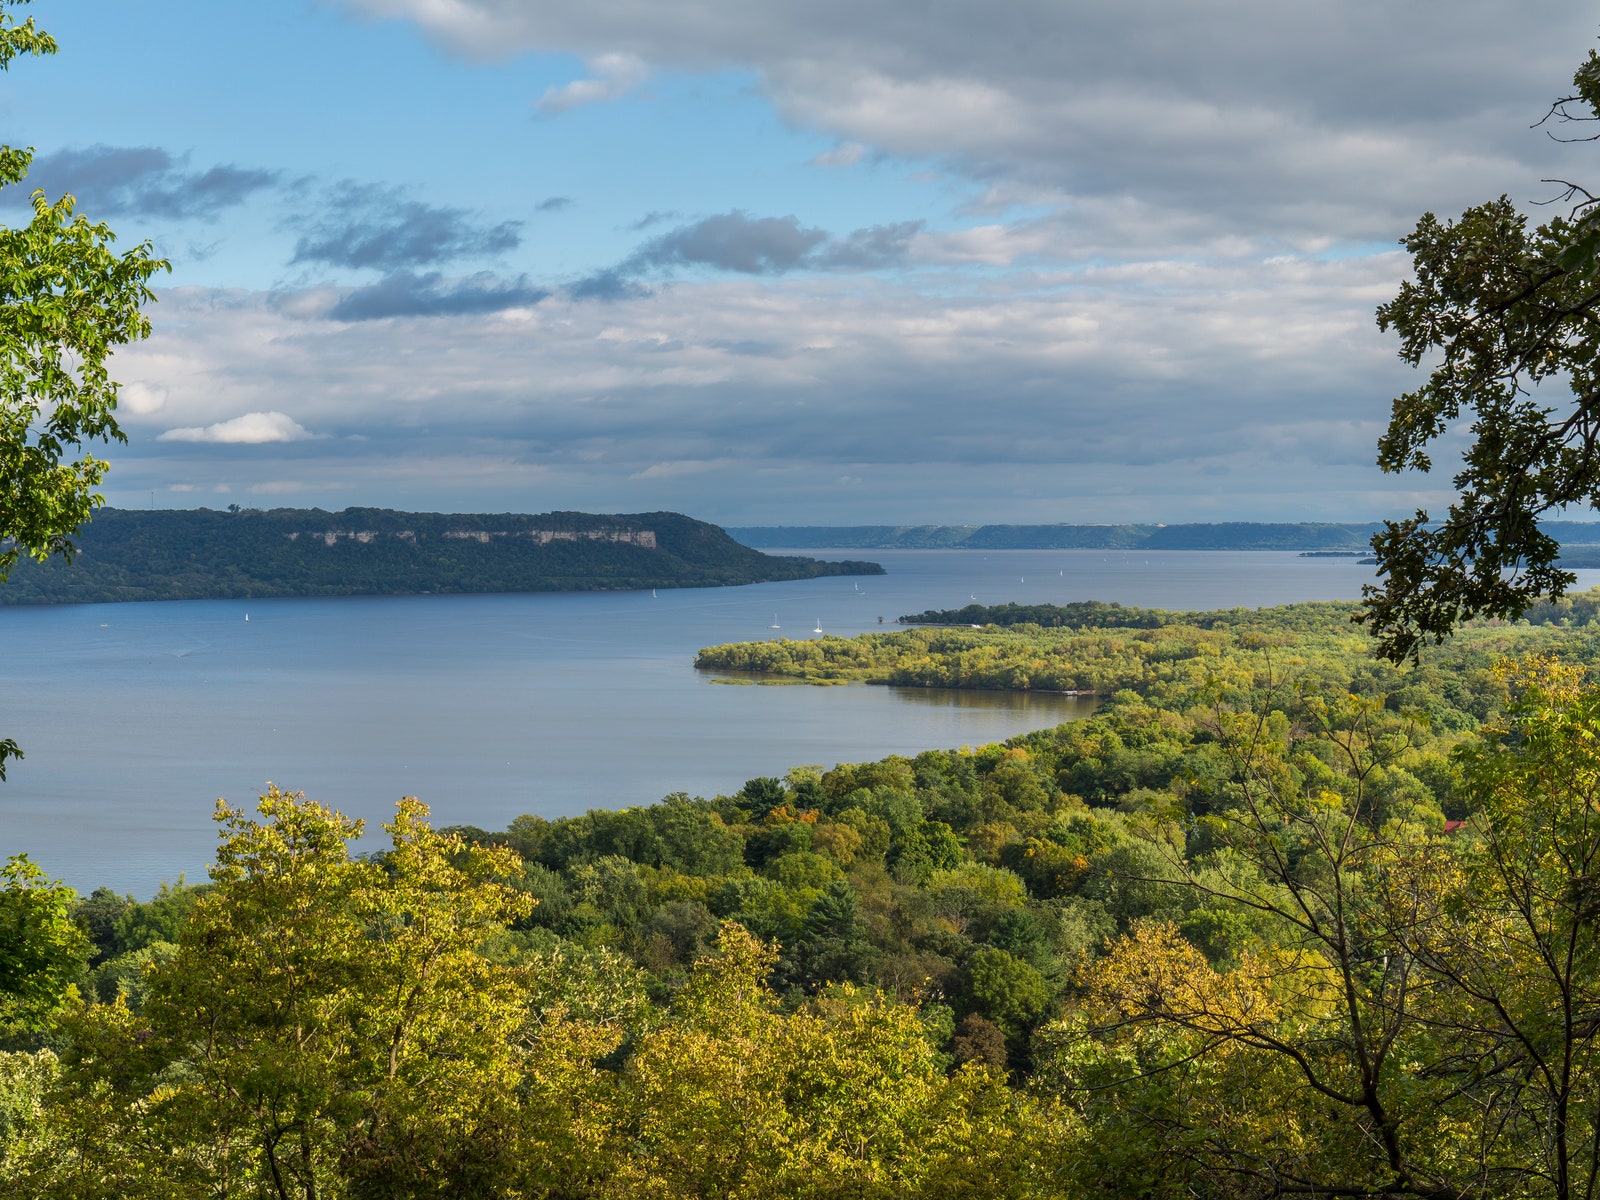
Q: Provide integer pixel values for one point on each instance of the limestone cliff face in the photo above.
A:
(645, 538)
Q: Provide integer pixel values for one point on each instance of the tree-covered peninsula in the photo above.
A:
(199, 554)
(1100, 648)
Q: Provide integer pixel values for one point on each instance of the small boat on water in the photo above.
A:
(818, 629)
(774, 624)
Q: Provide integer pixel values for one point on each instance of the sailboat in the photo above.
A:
(818, 629)
(774, 624)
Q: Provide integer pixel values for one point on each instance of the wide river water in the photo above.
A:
(135, 718)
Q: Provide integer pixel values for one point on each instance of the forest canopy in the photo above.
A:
(1284, 925)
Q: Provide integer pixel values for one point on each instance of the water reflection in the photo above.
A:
(1051, 708)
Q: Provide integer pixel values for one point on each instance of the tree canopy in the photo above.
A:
(1508, 316)
(67, 300)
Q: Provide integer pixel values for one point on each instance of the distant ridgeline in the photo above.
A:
(1233, 535)
(198, 554)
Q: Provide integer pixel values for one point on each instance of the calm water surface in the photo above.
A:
(136, 717)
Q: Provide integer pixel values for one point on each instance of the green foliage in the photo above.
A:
(1086, 614)
(323, 1025)
(1013, 991)
(179, 555)
(332, 1027)
(68, 302)
(1215, 939)
(1167, 658)
(1507, 314)
(41, 948)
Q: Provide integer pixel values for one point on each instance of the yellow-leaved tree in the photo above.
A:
(327, 1027)
(730, 1098)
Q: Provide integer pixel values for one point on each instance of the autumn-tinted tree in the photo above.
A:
(326, 1027)
(1508, 934)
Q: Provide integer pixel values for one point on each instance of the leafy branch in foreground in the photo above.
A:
(1512, 313)
(67, 300)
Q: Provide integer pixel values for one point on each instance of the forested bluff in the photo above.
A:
(1278, 917)
(197, 554)
(1581, 538)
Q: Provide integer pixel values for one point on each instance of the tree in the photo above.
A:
(1509, 932)
(41, 946)
(67, 300)
(731, 1098)
(1302, 1065)
(1514, 315)
(327, 1025)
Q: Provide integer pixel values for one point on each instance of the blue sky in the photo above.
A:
(781, 262)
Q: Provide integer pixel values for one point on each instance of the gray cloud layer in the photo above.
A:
(373, 226)
(1300, 121)
(404, 294)
(745, 245)
(143, 181)
(733, 242)
(1194, 190)
(1110, 390)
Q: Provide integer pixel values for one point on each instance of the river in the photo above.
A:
(135, 718)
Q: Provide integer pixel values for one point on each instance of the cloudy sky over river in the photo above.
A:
(766, 261)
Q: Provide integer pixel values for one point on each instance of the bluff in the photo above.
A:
(1229, 535)
(182, 554)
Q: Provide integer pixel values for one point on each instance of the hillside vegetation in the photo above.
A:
(1106, 648)
(199, 554)
(1280, 918)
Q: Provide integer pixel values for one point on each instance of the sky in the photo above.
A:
(783, 262)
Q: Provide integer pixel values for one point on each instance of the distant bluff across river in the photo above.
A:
(196, 554)
(1228, 535)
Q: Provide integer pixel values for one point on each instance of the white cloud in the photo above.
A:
(141, 399)
(252, 429)
(613, 76)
